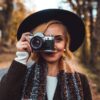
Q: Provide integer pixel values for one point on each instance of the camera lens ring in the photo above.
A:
(36, 42)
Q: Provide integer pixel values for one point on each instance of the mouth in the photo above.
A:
(51, 53)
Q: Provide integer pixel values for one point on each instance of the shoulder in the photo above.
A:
(85, 82)
(86, 86)
(83, 77)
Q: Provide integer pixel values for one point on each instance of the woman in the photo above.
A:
(52, 76)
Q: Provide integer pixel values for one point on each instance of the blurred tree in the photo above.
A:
(12, 14)
(5, 14)
(2, 20)
(85, 9)
(95, 40)
(7, 8)
(2, 6)
(18, 15)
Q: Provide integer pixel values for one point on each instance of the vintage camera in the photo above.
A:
(41, 43)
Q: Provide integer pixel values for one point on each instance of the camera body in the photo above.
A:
(41, 43)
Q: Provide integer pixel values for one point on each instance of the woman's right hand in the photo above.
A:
(23, 44)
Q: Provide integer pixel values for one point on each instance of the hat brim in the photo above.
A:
(74, 24)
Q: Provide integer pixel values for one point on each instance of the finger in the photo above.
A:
(25, 36)
(26, 48)
(27, 43)
(21, 45)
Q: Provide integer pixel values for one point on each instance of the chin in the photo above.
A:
(51, 60)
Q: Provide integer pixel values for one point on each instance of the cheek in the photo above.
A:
(60, 46)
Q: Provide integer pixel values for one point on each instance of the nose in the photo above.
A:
(55, 47)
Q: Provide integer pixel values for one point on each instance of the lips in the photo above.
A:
(51, 54)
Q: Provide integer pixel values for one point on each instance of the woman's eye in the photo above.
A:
(58, 38)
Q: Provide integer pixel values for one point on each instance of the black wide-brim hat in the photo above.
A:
(73, 22)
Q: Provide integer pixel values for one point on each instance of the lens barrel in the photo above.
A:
(36, 43)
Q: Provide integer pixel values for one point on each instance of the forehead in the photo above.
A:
(55, 29)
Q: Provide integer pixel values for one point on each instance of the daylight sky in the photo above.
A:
(44, 4)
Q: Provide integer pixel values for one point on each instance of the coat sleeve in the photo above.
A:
(12, 82)
(86, 88)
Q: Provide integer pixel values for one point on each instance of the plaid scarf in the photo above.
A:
(35, 84)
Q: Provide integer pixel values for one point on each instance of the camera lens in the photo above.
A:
(36, 42)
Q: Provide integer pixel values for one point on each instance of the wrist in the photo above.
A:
(22, 57)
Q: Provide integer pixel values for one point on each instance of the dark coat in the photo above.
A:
(12, 83)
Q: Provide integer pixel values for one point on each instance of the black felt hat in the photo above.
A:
(73, 23)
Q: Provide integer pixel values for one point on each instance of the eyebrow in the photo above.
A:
(59, 36)
(56, 36)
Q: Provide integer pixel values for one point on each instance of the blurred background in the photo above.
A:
(12, 12)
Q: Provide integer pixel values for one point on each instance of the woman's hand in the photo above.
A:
(23, 44)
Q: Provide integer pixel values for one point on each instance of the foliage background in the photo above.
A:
(12, 12)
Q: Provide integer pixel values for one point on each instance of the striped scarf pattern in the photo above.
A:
(35, 84)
